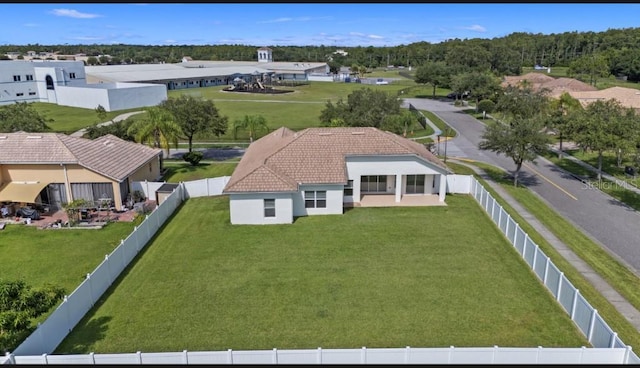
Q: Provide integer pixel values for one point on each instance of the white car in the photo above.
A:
(381, 81)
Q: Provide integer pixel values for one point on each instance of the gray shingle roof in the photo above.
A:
(283, 159)
(108, 155)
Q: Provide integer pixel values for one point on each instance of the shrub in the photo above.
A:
(486, 106)
(193, 157)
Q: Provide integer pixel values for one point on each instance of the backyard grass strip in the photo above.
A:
(375, 277)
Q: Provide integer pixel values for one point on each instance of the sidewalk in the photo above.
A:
(618, 301)
(611, 178)
(118, 118)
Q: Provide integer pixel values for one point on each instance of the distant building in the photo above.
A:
(64, 83)
(265, 55)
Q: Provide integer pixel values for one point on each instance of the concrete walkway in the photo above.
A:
(618, 301)
(118, 118)
(620, 183)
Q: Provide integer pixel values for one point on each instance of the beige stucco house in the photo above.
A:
(320, 171)
(53, 169)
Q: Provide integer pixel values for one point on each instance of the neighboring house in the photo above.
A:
(54, 169)
(555, 86)
(64, 83)
(317, 171)
(628, 97)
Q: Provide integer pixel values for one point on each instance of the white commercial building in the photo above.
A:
(64, 83)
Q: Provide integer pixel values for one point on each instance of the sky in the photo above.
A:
(299, 24)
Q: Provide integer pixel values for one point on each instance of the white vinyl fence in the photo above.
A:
(408, 355)
(599, 334)
(608, 348)
(55, 328)
(196, 188)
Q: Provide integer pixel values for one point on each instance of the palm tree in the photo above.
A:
(157, 130)
(252, 124)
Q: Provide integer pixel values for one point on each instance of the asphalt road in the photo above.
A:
(598, 215)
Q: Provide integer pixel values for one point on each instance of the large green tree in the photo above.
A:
(21, 116)
(521, 134)
(194, 115)
(433, 73)
(157, 128)
(596, 128)
(561, 111)
(364, 107)
(589, 68)
(481, 85)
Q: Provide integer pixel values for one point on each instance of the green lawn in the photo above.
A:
(623, 280)
(70, 119)
(178, 171)
(62, 257)
(375, 277)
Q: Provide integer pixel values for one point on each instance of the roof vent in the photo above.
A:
(357, 133)
(3, 137)
(107, 143)
(325, 133)
(34, 137)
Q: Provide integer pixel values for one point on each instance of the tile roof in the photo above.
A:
(628, 97)
(108, 155)
(283, 159)
(556, 86)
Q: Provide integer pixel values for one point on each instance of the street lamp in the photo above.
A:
(446, 138)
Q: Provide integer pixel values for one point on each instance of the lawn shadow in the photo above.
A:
(92, 331)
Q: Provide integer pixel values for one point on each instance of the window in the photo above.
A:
(315, 199)
(348, 189)
(269, 207)
(415, 184)
(32, 93)
(16, 78)
(373, 184)
(29, 77)
(49, 82)
(20, 94)
(72, 75)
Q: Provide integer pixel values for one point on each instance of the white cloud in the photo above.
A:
(358, 34)
(73, 14)
(170, 41)
(278, 20)
(375, 37)
(476, 28)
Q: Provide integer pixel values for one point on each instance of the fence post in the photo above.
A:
(560, 285)
(613, 340)
(44, 359)
(575, 300)
(535, 256)
(319, 356)
(229, 356)
(500, 217)
(591, 323)
(185, 357)
(275, 356)
(506, 227)
(493, 209)
(139, 356)
(135, 232)
(546, 270)
(524, 246)
(106, 259)
(124, 255)
(515, 234)
(11, 357)
(65, 303)
(407, 350)
(93, 358)
(146, 217)
(451, 351)
(363, 355)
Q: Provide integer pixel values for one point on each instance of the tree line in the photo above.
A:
(504, 55)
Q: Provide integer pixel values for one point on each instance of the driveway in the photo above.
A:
(604, 219)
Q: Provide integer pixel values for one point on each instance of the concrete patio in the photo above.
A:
(407, 200)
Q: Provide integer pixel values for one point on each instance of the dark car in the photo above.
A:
(457, 95)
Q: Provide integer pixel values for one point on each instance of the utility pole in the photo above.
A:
(446, 138)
